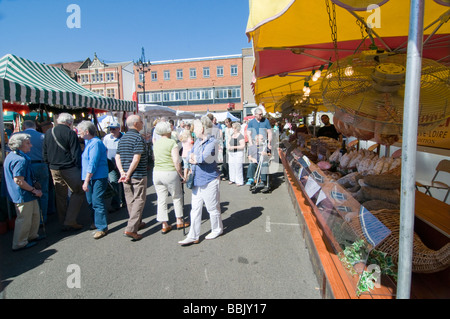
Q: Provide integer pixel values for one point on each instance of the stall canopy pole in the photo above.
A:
(409, 147)
(2, 129)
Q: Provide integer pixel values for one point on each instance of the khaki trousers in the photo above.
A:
(168, 182)
(135, 196)
(27, 222)
(64, 180)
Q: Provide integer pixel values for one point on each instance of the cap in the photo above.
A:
(114, 124)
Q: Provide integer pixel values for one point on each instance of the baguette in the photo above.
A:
(389, 195)
(383, 181)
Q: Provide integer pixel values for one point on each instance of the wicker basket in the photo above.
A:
(425, 260)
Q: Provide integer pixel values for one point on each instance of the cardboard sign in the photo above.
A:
(438, 137)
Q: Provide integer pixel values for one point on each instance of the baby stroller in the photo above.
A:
(260, 176)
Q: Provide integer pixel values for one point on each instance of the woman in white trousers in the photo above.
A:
(166, 177)
(206, 189)
(235, 147)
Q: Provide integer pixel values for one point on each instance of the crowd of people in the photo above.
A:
(119, 162)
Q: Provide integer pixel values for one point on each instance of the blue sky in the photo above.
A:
(117, 29)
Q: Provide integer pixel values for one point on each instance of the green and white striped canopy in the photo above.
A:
(26, 81)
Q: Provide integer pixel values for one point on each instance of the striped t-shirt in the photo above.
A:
(132, 143)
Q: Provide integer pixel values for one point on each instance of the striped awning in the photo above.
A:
(26, 81)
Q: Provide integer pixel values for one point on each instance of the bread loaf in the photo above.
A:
(389, 195)
(383, 181)
(376, 204)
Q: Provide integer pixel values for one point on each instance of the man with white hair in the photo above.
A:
(131, 160)
(62, 151)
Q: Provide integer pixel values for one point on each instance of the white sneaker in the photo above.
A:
(188, 241)
(213, 235)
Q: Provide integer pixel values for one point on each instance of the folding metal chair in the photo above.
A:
(442, 166)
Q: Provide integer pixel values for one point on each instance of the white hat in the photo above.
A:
(113, 124)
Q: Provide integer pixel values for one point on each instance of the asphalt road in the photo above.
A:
(261, 255)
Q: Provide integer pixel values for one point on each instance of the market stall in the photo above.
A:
(296, 63)
(27, 86)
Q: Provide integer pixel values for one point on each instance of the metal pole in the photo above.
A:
(3, 144)
(2, 129)
(409, 147)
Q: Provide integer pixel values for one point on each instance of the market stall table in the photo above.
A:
(336, 281)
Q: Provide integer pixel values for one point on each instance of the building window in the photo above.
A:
(200, 94)
(111, 93)
(234, 70)
(166, 75)
(84, 78)
(155, 97)
(154, 75)
(109, 77)
(98, 91)
(220, 71)
(180, 74)
(174, 96)
(206, 72)
(97, 77)
(141, 77)
(193, 73)
(228, 93)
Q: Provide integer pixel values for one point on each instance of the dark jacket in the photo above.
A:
(54, 155)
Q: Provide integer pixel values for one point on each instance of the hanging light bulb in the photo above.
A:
(306, 88)
(317, 74)
(349, 71)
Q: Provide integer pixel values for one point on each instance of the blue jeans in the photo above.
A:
(42, 175)
(251, 170)
(94, 197)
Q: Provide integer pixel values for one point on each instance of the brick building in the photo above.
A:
(198, 84)
(113, 80)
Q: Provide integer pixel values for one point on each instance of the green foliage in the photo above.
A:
(366, 282)
(356, 253)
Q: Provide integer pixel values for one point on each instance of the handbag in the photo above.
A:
(190, 180)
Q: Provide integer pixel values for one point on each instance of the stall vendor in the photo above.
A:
(328, 129)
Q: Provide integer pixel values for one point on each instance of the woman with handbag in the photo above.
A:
(94, 173)
(203, 159)
(166, 177)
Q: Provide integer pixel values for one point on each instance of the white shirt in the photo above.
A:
(111, 144)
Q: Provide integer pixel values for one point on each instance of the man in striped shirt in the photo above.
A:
(131, 160)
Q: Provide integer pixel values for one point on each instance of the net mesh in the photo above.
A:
(367, 93)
